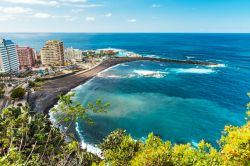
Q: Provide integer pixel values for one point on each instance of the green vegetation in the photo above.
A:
(32, 84)
(37, 83)
(106, 53)
(28, 138)
(18, 93)
(2, 91)
(39, 80)
(25, 74)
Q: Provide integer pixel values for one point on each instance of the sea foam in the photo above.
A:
(190, 57)
(152, 56)
(89, 147)
(194, 70)
(150, 73)
(217, 65)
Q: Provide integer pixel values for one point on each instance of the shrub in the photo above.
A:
(18, 93)
(2, 91)
(32, 84)
(2, 85)
(39, 79)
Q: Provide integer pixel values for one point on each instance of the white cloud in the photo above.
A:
(85, 5)
(156, 6)
(42, 15)
(73, 1)
(77, 10)
(46, 15)
(132, 20)
(108, 15)
(71, 18)
(56, 3)
(7, 17)
(90, 18)
(15, 10)
(35, 2)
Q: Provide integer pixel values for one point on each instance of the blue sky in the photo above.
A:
(124, 15)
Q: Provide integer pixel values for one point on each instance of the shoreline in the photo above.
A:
(45, 98)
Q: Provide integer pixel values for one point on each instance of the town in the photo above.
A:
(23, 69)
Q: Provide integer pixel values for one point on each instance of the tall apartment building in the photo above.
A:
(26, 56)
(52, 53)
(8, 56)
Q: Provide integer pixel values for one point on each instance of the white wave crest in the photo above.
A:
(123, 64)
(152, 56)
(89, 148)
(217, 65)
(194, 70)
(149, 73)
(92, 149)
(194, 143)
(190, 57)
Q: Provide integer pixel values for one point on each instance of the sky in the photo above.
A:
(125, 16)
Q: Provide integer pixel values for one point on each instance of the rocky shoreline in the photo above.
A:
(45, 98)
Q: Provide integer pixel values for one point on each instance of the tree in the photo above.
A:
(32, 84)
(28, 138)
(18, 93)
(118, 148)
(2, 91)
(70, 111)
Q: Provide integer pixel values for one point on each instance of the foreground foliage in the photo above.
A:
(24, 141)
(28, 138)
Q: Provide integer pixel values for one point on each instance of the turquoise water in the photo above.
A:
(175, 103)
(181, 103)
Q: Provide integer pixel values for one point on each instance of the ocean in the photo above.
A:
(178, 102)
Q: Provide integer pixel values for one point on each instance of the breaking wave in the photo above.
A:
(152, 56)
(217, 65)
(190, 57)
(150, 73)
(194, 70)
(89, 147)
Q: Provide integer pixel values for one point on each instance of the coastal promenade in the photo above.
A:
(45, 98)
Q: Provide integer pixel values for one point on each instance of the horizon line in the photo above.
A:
(141, 32)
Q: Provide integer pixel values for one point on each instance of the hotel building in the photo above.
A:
(73, 55)
(52, 53)
(26, 56)
(8, 56)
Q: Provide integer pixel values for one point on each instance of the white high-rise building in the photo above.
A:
(8, 56)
